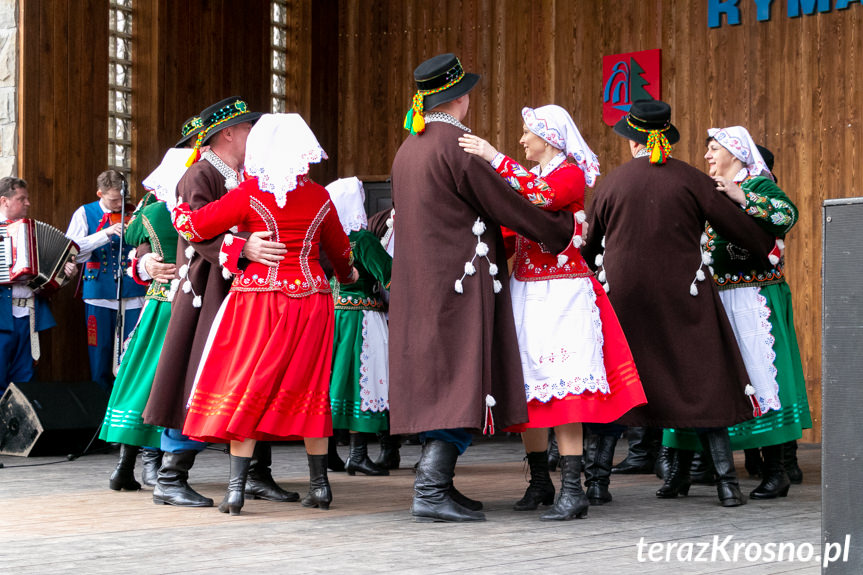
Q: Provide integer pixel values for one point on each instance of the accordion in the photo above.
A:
(35, 254)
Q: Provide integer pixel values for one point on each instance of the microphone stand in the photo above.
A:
(118, 276)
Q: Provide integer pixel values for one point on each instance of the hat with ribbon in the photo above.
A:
(649, 123)
(191, 128)
(439, 80)
(228, 112)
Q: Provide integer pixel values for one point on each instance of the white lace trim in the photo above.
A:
(232, 178)
(446, 119)
(374, 377)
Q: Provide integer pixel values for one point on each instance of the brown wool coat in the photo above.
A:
(652, 218)
(449, 350)
(189, 326)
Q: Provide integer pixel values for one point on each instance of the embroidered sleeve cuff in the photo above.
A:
(497, 160)
(181, 218)
(139, 270)
(231, 252)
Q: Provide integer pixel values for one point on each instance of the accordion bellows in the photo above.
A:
(34, 253)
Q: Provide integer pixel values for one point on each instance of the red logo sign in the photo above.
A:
(626, 78)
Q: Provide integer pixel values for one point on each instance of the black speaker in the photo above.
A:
(379, 195)
(841, 389)
(41, 418)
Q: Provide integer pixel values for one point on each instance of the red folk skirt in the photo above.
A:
(625, 390)
(265, 373)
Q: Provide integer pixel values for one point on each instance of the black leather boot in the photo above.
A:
(701, 471)
(677, 481)
(598, 456)
(571, 501)
(434, 483)
(775, 481)
(359, 458)
(553, 452)
(172, 486)
(795, 474)
(151, 460)
(123, 477)
(320, 495)
(753, 462)
(260, 483)
(727, 488)
(540, 489)
(663, 462)
(389, 457)
(644, 444)
(464, 500)
(234, 496)
(334, 462)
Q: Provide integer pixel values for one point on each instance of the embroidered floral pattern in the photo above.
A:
(374, 395)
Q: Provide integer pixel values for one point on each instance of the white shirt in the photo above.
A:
(18, 290)
(77, 232)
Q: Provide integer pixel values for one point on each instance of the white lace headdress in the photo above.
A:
(554, 125)
(348, 196)
(163, 180)
(739, 143)
(279, 150)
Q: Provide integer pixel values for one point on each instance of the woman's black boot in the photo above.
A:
(571, 501)
(677, 481)
(389, 457)
(320, 495)
(334, 462)
(541, 489)
(359, 458)
(123, 477)
(753, 462)
(727, 487)
(553, 452)
(775, 481)
(598, 458)
(795, 474)
(151, 461)
(663, 462)
(235, 495)
(260, 483)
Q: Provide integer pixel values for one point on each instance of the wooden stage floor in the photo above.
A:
(63, 519)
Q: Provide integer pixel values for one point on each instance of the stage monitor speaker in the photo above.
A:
(379, 195)
(842, 387)
(41, 418)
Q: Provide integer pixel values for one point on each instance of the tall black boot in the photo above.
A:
(677, 480)
(775, 481)
(389, 457)
(260, 483)
(434, 482)
(663, 462)
(334, 462)
(234, 496)
(359, 458)
(753, 462)
(123, 477)
(598, 456)
(571, 501)
(727, 488)
(540, 489)
(701, 471)
(320, 495)
(553, 452)
(644, 444)
(151, 460)
(172, 486)
(795, 474)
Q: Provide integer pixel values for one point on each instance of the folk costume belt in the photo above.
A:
(30, 303)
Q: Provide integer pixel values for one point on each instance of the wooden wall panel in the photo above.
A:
(793, 82)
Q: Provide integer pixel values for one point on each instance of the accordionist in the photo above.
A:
(22, 314)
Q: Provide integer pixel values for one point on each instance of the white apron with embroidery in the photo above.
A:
(374, 364)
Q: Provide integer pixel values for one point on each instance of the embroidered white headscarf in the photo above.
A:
(279, 150)
(348, 196)
(737, 140)
(164, 179)
(554, 125)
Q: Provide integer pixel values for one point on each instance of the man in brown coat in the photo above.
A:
(226, 127)
(453, 346)
(650, 214)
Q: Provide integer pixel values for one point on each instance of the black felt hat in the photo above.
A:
(191, 128)
(645, 116)
(444, 73)
(227, 112)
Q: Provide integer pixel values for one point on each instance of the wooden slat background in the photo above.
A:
(791, 82)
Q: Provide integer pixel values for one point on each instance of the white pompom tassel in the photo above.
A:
(190, 252)
(458, 287)
(183, 271)
(469, 268)
(132, 254)
(693, 289)
(187, 287)
(749, 390)
(223, 258)
(598, 260)
(561, 260)
(482, 249)
(492, 270)
(699, 275)
(196, 301)
(580, 217)
(478, 227)
(229, 239)
(226, 273)
(703, 239)
(601, 276)
(606, 287)
(577, 241)
(603, 242)
(706, 258)
(774, 259)
(497, 286)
